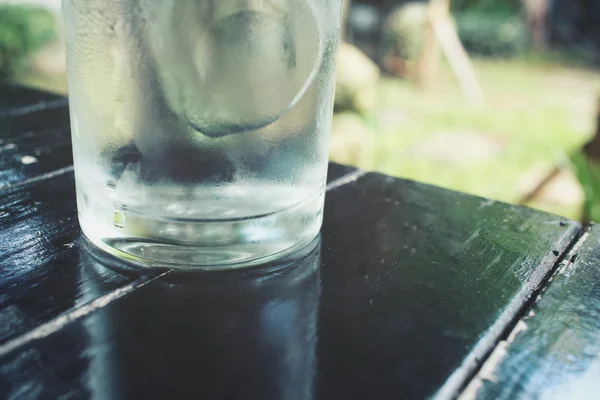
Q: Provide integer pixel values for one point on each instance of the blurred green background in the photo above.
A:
(508, 122)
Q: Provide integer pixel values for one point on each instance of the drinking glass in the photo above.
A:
(201, 127)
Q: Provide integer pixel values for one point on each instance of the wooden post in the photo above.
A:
(537, 15)
(430, 59)
(444, 33)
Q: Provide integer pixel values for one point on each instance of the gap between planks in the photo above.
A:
(345, 179)
(39, 178)
(32, 108)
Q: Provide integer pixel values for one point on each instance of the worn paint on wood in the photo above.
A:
(558, 356)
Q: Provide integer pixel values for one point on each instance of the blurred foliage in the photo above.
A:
(559, 58)
(492, 34)
(22, 30)
(588, 175)
(486, 28)
(404, 30)
(491, 27)
(535, 115)
(488, 6)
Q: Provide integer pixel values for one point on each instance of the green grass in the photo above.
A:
(536, 112)
(23, 29)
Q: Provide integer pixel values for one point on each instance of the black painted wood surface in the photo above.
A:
(18, 100)
(555, 350)
(423, 284)
(409, 290)
(40, 234)
(35, 136)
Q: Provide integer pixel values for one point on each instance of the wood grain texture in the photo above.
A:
(555, 353)
(39, 255)
(407, 294)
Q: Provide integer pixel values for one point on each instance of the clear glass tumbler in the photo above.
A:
(201, 127)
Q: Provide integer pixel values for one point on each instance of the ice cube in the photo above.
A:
(228, 73)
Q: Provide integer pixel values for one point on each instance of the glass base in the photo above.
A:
(206, 244)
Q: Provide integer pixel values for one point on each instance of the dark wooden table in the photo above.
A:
(413, 291)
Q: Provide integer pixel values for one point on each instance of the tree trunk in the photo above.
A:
(345, 11)
(430, 60)
(537, 18)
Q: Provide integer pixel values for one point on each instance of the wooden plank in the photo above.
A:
(416, 285)
(55, 118)
(422, 284)
(35, 137)
(554, 352)
(16, 97)
(40, 260)
(337, 171)
(34, 154)
(24, 110)
(257, 327)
